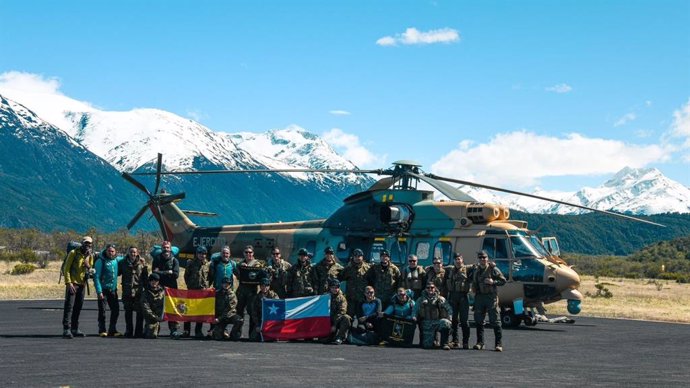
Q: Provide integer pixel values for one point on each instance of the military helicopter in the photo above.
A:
(395, 215)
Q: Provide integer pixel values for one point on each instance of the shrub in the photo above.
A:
(22, 269)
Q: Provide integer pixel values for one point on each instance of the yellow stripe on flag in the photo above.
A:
(189, 306)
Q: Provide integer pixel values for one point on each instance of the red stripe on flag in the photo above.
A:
(188, 318)
(194, 294)
(318, 327)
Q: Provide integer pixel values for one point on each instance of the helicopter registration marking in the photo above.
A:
(209, 241)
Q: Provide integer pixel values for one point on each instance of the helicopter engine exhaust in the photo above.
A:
(395, 214)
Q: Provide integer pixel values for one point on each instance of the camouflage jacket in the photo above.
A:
(384, 280)
(356, 278)
(300, 280)
(279, 277)
(338, 306)
(480, 274)
(323, 272)
(429, 308)
(439, 279)
(413, 279)
(256, 309)
(134, 275)
(152, 304)
(197, 275)
(226, 304)
(457, 280)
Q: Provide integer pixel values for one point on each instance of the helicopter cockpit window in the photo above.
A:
(528, 270)
(443, 249)
(523, 248)
(399, 252)
(423, 251)
(536, 243)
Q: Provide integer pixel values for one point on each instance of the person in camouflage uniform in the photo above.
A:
(437, 275)
(413, 277)
(301, 276)
(355, 274)
(328, 268)
(167, 267)
(458, 285)
(433, 310)
(226, 312)
(278, 269)
(134, 275)
(384, 277)
(340, 320)
(197, 276)
(246, 292)
(152, 306)
(485, 279)
(256, 310)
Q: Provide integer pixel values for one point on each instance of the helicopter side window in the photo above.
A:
(399, 252)
(496, 248)
(375, 254)
(342, 253)
(443, 250)
(423, 251)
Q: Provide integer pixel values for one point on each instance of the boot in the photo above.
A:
(444, 339)
(465, 337)
(236, 332)
(198, 333)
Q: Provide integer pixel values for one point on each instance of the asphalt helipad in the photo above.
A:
(590, 352)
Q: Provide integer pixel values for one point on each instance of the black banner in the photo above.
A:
(397, 331)
(251, 275)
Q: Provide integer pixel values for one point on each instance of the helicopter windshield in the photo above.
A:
(536, 243)
(522, 247)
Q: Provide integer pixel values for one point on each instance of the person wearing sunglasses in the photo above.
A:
(327, 268)
(434, 312)
(413, 276)
(355, 275)
(384, 277)
(458, 285)
(278, 269)
(246, 291)
(485, 280)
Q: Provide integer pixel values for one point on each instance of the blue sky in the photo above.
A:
(515, 93)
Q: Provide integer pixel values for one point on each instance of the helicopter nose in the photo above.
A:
(568, 281)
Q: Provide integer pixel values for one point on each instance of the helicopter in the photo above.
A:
(394, 215)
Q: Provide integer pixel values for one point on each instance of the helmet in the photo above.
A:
(155, 276)
(385, 253)
(358, 252)
(333, 282)
(328, 250)
(265, 282)
(303, 252)
(201, 249)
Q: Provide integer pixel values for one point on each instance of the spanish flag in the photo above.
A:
(189, 305)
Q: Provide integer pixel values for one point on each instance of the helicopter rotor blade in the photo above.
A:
(136, 183)
(137, 216)
(159, 165)
(449, 191)
(171, 198)
(259, 171)
(458, 181)
(384, 183)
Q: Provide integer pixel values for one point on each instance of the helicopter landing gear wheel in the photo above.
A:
(509, 319)
(530, 320)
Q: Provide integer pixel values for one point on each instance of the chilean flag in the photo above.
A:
(296, 318)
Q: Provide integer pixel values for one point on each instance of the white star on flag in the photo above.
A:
(273, 309)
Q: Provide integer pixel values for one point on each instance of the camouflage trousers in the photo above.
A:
(429, 329)
(151, 329)
(219, 329)
(461, 312)
(483, 304)
(341, 326)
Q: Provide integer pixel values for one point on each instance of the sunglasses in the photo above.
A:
(248, 252)
(483, 257)
(412, 261)
(369, 293)
(437, 262)
(276, 253)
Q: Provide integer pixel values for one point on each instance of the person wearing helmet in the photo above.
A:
(197, 276)
(301, 276)
(256, 310)
(434, 312)
(355, 274)
(384, 277)
(152, 306)
(78, 267)
(134, 275)
(226, 312)
(328, 268)
(340, 320)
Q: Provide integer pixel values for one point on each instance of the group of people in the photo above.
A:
(434, 298)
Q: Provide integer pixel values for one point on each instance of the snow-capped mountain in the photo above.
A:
(637, 191)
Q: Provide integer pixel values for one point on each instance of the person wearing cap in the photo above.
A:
(437, 275)
(166, 265)
(384, 277)
(355, 275)
(328, 268)
(301, 276)
(413, 276)
(78, 267)
(278, 269)
(246, 291)
(134, 274)
(485, 280)
(226, 312)
(197, 276)
(340, 320)
(458, 285)
(434, 312)
(256, 310)
(105, 283)
(152, 304)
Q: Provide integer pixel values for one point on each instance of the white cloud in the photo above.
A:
(680, 128)
(197, 115)
(559, 88)
(626, 118)
(521, 158)
(413, 36)
(643, 133)
(350, 147)
(28, 82)
(339, 112)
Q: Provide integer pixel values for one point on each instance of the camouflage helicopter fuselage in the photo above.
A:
(403, 221)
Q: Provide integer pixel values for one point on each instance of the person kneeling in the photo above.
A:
(434, 311)
(152, 306)
(226, 312)
(340, 321)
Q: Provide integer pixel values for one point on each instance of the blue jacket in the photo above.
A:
(106, 273)
(220, 270)
(404, 310)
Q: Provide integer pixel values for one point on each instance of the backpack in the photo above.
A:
(72, 245)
